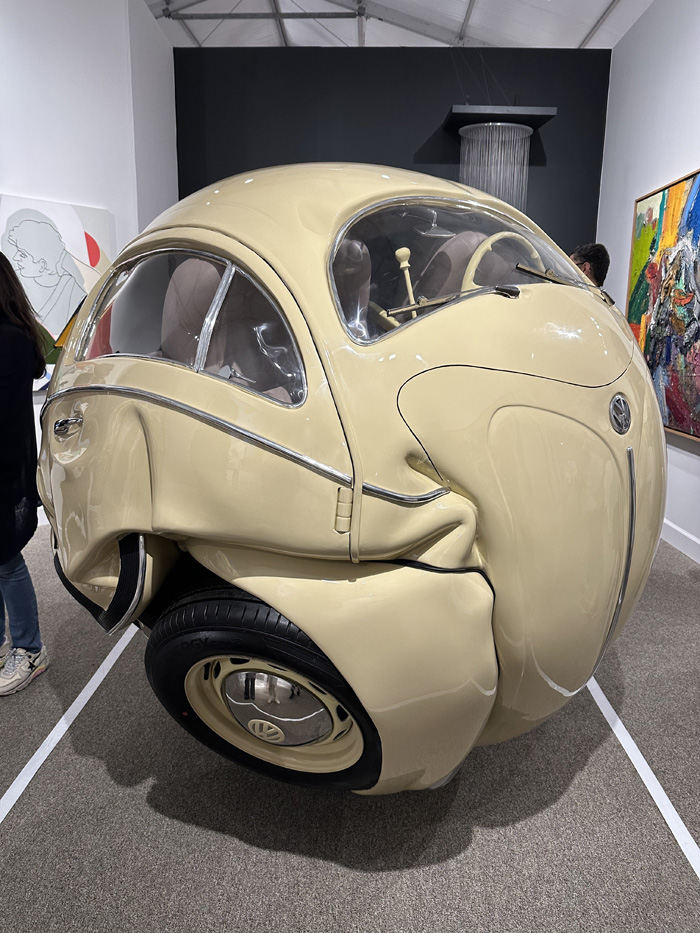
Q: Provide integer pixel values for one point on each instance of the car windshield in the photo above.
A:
(405, 260)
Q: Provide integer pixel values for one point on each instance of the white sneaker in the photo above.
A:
(4, 652)
(21, 667)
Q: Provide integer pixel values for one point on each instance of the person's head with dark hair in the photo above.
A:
(593, 260)
(15, 307)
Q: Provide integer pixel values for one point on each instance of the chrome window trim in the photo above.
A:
(119, 267)
(211, 316)
(427, 200)
(631, 526)
(274, 304)
(248, 437)
(209, 322)
(91, 325)
(202, 372)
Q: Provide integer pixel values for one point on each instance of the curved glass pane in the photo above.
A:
(405, 260)
(156, 308)
(252, 346)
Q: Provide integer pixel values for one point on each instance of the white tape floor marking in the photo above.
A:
(21, 782)
(688, 845)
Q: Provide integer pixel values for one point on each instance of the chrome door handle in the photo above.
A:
(62, 426)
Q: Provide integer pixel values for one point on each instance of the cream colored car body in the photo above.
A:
(475, 438)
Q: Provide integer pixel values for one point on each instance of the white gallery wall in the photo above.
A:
(652, 139)
(153, 101)
(88, 107)
(87, 99)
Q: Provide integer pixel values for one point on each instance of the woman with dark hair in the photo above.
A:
(21, 361)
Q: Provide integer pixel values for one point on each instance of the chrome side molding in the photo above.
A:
(628, 560)
(241, 434)
(205, 418)
(399, 498)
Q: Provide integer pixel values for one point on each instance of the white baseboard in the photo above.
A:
(682, 540)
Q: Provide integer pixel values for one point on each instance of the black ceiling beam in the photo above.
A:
(182, 16)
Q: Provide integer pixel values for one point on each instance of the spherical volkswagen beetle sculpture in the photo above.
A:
(375, 468)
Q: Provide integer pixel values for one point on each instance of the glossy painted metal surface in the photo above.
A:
(416, 646)
(551, 481)
(482, 439)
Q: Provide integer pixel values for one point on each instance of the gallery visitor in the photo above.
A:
(593, 260)
(22, 656)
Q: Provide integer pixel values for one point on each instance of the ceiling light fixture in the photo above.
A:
(495, 147)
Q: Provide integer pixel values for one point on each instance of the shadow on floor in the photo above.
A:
(138, 742)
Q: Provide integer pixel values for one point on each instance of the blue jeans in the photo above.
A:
(17, 595)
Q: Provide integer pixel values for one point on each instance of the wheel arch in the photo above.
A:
(416, 647)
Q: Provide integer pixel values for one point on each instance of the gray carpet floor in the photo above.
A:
(131, 825)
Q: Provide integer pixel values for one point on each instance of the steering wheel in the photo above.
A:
(485, 247)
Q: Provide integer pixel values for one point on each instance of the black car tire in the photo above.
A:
(229, 625)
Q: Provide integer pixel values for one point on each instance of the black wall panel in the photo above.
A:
(241, 109)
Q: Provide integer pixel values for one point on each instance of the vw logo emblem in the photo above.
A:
(620, 415)
(267, 731)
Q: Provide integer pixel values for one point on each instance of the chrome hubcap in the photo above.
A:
(275, 709)
(273, 713)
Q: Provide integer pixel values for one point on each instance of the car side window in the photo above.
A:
(252, 346)
(156, 308)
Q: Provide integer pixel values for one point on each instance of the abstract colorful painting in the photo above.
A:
(663, 307)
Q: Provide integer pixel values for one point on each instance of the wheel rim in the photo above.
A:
(319, 734)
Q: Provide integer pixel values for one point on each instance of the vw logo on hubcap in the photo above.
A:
(620, 414)
(267, 731)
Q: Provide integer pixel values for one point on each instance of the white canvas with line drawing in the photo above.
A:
(58, 251)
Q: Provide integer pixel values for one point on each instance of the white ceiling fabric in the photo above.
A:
(503, 23)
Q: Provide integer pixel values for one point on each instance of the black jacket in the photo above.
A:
(18, 495)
